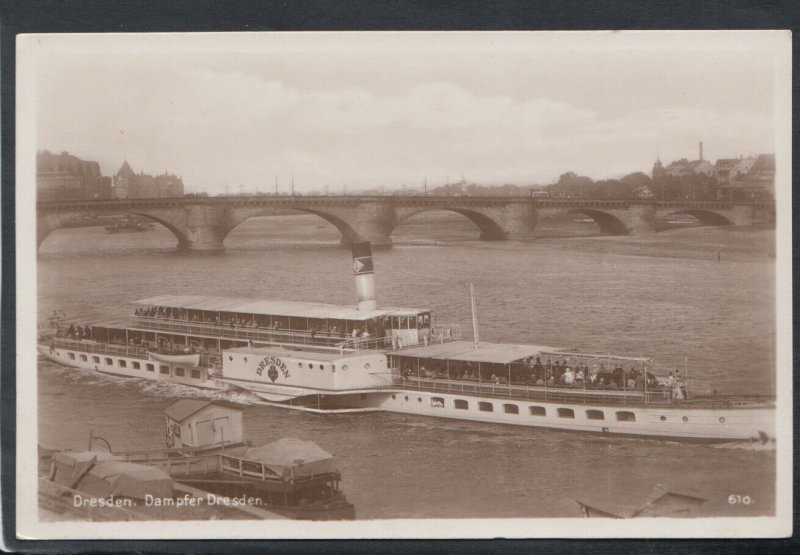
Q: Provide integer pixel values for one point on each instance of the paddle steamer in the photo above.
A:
(331, 359)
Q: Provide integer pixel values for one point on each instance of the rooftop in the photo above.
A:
(299, 309)
(187, 407)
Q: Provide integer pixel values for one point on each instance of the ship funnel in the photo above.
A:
(364, 276)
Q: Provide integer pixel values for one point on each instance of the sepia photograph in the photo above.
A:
(404, 285)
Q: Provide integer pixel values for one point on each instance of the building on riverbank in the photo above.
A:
(129, 184)
(67, 177)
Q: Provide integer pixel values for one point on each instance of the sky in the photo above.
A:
(370, 110)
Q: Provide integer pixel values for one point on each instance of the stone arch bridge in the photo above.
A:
(202, 223)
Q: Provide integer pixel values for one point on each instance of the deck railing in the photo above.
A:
(91, 346)
(564, 394)
(242, 333)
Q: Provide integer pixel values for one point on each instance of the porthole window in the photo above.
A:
(310, 366)
(565, 413)
(419, 399)
(593, 414)
(344, 367)
(299, 364)
(322, 367)
(394, 396)
(626, 416)
(722, 420)
(366, 366)
(406, 397)
(230, 357)
(245, 359)
(663, 418)
(685, 418)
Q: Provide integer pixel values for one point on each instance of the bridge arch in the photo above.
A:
(349, 235)
(238, 217)
(704, 217)
(490, 229)
(608, 223)
(183, 240)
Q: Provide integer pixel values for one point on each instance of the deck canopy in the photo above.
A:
(496, 353)
(299, 309)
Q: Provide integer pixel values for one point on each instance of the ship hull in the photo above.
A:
(129, 367)
(677, 421)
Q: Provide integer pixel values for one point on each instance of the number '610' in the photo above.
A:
(735, 499)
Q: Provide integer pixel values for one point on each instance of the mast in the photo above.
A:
(475, 337)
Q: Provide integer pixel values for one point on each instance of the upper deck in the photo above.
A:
(292, 322)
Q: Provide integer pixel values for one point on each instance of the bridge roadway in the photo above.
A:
(202, 223)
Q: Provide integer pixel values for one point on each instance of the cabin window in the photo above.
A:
(96, 360)
(510, 409)
(109, 361)
(537, 411)
(180, 372)
(122, 363)
(626, 416)
(163, 369)
(394, 396)
(461, 404)
(437, 402)
(136, 365)
(595, 415)
(71, 356)
(84, 358)
(322, 367)
(196, 374)
(150, 367)
(485, 407)
(566, 413)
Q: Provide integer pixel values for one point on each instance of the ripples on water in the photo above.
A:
(662, 296)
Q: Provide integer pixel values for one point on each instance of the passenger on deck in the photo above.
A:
(579, 377)
(569, 376)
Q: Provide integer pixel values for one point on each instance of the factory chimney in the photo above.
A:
(364, 276)
(701, 151)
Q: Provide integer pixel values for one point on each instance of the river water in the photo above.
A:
(665, 296)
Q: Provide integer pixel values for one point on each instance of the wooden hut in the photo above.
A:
(203, 423)
(628, 502)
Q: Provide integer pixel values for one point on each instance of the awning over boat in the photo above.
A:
(499, 353)
(291, 458)
(273, 308)
(100, 474)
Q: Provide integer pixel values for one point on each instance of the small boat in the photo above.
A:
(188, 359)
(128, 226)
(207, 453)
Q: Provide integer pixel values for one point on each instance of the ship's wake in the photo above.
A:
(752, 445)
(150, 388)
